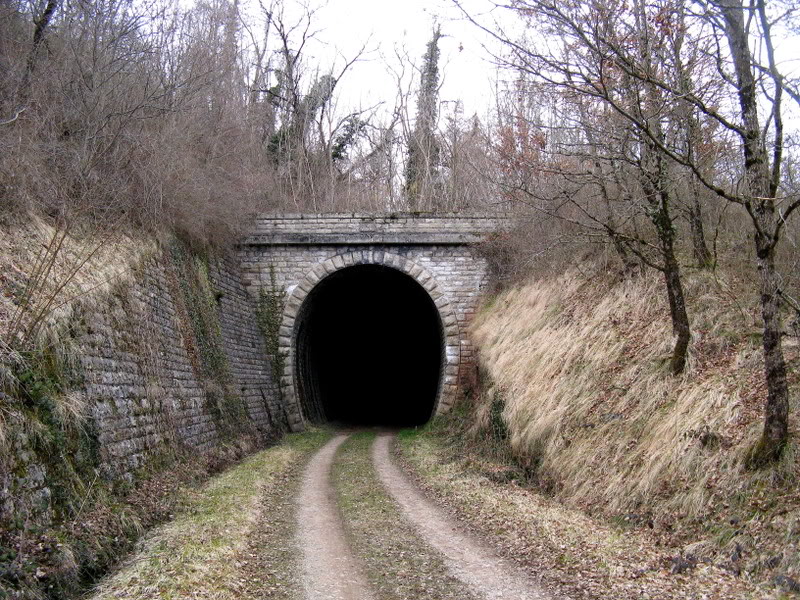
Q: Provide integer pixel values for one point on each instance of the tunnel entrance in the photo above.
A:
(369, 349)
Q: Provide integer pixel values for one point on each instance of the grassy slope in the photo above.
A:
(573, 554)
(580, 366)
(200, 553)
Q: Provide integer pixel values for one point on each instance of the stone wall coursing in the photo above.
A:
(145, 392)
(297, 250)
(141, 387)
(364, 228)
(459, 270)
(249, 364)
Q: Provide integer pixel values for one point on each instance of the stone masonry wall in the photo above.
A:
(459, 270)
(438, 250)
(144, 394)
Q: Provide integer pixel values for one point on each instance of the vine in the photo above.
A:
(269, 314)
(203, 338)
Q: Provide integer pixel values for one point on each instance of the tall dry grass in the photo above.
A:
(582, 364)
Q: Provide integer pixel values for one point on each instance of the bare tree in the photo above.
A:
(424, 147)
(601, 54)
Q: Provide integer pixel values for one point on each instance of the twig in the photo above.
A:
(15, 117)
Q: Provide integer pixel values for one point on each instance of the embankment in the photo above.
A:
(575, 382)
(147, 373)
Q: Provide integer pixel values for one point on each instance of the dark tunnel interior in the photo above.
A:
(369, 349)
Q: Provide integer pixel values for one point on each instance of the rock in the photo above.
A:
(683, 563)
(787, 583)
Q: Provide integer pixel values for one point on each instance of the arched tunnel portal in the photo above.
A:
(369, 349)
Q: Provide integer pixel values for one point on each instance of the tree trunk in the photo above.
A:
(41, 23)
(776, 411)
(761, 206)
(655, 189)
(702, 256)
(630, 266)
(677, 305)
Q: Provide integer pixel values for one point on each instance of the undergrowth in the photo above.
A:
(196, 553)
(198, 300)
(576, 389)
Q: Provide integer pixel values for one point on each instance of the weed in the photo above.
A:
(593, 416)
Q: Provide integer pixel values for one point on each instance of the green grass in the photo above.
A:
(195, 554)
(399, 564)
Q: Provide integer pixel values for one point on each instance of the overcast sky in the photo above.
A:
(388, 27)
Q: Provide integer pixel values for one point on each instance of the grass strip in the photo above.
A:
(399, 564)
(572, 552)
(204, 552)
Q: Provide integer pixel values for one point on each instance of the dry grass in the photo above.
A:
(573, 554)
(399, 564)
(593, 412)
(76, 274)
(85, 266)
(199, 554)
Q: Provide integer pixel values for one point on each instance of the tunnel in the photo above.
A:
(369, 349)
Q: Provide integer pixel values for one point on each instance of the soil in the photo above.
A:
(399, 563)
(467, 558)
(348, 523)
(329, 569)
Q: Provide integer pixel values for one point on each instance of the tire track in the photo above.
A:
(467, 559)
(330, 572)
(398, 563)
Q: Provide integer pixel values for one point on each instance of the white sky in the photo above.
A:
(389, 27)
(406, 26)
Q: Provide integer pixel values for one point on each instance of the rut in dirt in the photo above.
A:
(330, 572)
(469, 560)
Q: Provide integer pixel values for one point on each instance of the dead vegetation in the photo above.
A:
(206, 551)
(577, 368)
(574, 554)
(399, 563)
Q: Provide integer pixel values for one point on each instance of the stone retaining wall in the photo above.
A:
(141, 382)
(138, 376)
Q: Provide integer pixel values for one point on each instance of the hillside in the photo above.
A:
(576, 383)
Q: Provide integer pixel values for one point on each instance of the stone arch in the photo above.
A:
(295, 299)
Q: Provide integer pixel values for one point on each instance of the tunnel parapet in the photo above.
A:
(297, 252)
(405, 229)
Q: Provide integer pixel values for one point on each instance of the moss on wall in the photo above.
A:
(130, 397)
(269, 314)
(199, 301)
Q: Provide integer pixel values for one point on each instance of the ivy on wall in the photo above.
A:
(202, 334)
(269, 314)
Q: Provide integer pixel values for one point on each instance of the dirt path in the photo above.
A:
(468, 560)
(311, 518)
(397, 562)
(329, 570)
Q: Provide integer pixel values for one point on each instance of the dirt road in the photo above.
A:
(332, 570)
(331, 516)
